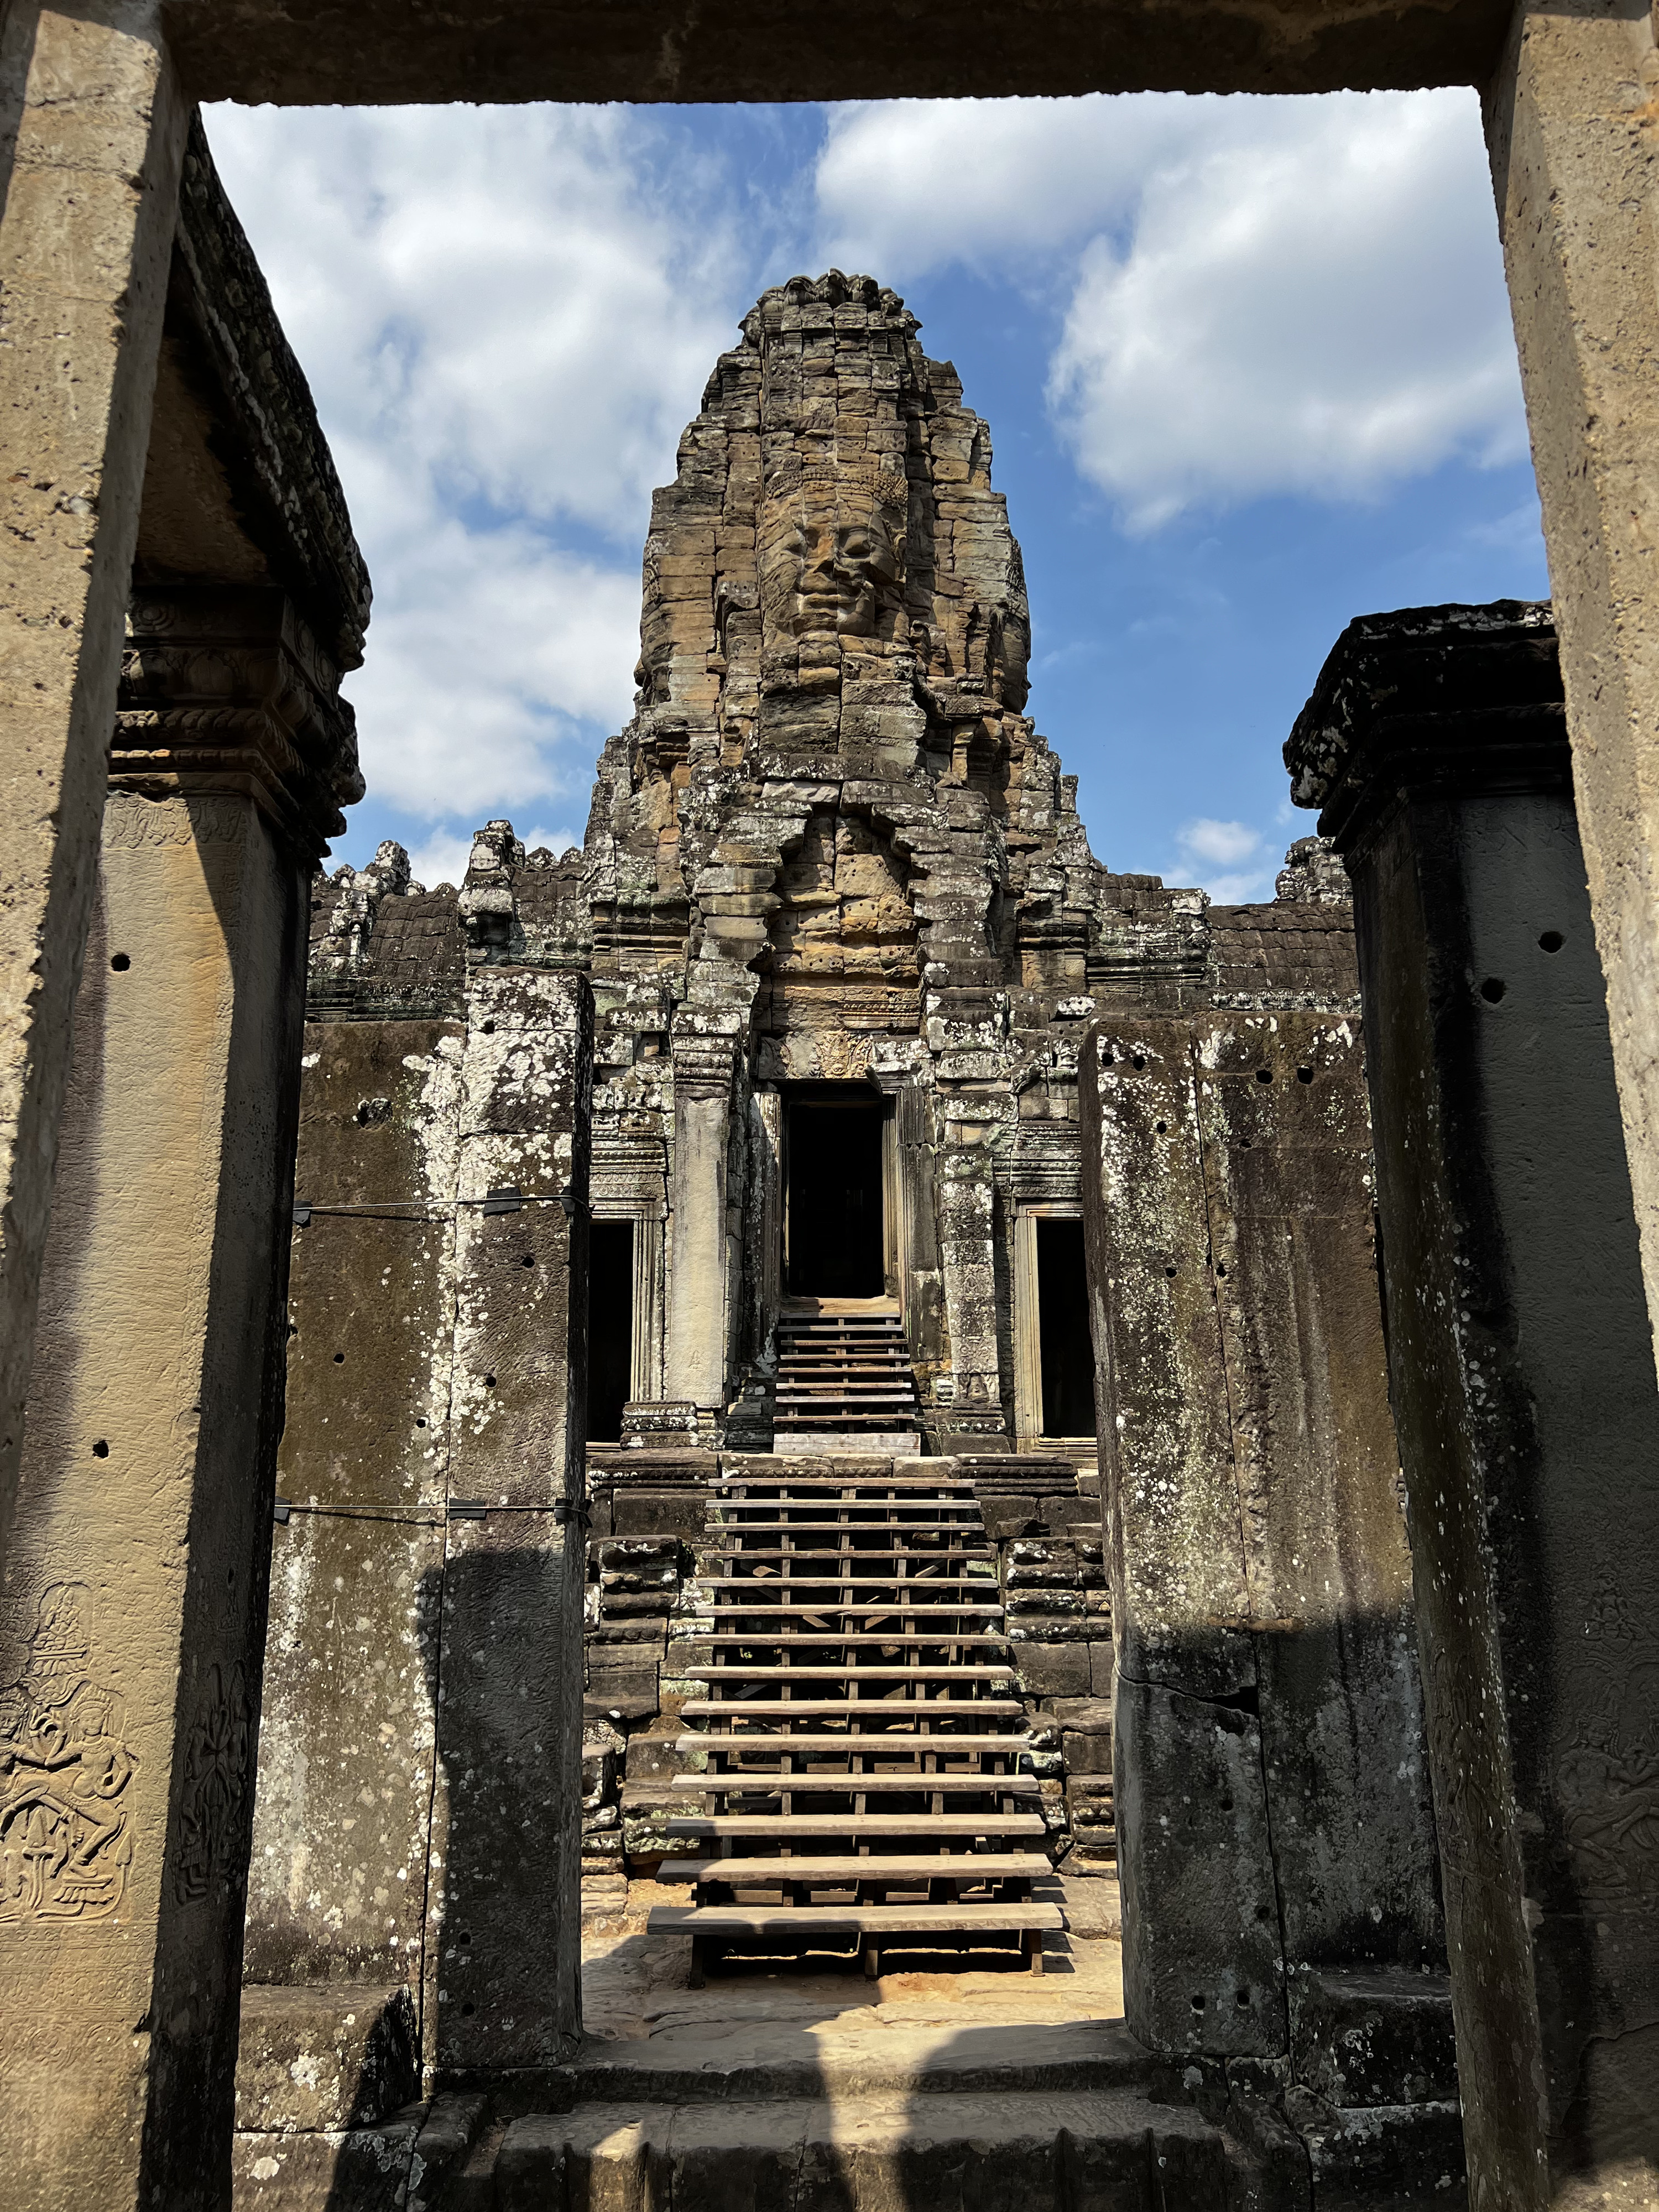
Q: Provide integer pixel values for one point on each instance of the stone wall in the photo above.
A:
(416, 1847)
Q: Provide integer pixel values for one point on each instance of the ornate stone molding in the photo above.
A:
(224, 690)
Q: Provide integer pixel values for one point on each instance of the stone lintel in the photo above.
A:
(225, 688)
(1450, 699)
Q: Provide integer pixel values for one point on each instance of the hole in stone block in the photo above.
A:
(1492, 990)
(339, 1359)
(467, 2011)
(101, 1449)
(1304, 1075)
(1140, 1060)
(489, 1029)
(528, 1261)
(1198, 2004)
(1243, 2001)
(1220, 1269)
(1168, 1271)
(1264, 1075)
(1552, 941)
(463, 1937)
(1162, 1127)
(420, 1420)
(119, 963)
(489, 1382)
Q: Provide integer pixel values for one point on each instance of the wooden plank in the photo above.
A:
(845, 1785)
(816, 1638)
(941, 1866)
(866, 1919)
(845, 1742)
(819, 1670)
(800, 1706)
(785, 1826)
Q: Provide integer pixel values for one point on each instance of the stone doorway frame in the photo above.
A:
(776, 1217)
(1029, 1431)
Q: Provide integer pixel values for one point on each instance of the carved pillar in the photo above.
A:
(973, 1419)
(1521, 1374)
(132, 1619)
(645, 1356)
(94, 126)
(697, 1320)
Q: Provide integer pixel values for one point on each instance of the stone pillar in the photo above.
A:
(697, 1318)
(504, 1936)
(1570, 122)
(1276, 1846)
(92, 131)
(1521, 1375)
(132, 1619)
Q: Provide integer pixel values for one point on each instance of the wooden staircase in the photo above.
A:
(844, 1373)
(858, 1752)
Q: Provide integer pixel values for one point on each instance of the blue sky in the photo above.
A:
(1247, 365)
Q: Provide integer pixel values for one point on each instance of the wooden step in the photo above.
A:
(1005, 1745)
(785, 1707)
(863, 1919)
(825, 1670)
(830, 1605)
(817, 1638)
(717, 1827)
(944, 1866)
(847, 1785)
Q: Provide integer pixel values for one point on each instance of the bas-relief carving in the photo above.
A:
(213, 1804)
(1605, 1766)
(64, 1767)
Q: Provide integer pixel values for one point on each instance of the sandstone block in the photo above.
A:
(339, 2055)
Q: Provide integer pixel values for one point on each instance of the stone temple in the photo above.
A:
(852, 1641)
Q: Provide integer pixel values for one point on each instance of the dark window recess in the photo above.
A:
(610, 1326)
(1067, 1355)
(834, 1229)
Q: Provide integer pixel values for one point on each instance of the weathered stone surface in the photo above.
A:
(326, 2058)
(1521, 1370)
(95, 123)
(381, 54)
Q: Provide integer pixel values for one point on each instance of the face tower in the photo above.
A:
(835, 872)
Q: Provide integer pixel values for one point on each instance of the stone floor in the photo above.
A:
(635, 1988)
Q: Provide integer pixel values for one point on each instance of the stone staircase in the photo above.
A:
(844, 1373)
(858, 1756)
(1049, 2119)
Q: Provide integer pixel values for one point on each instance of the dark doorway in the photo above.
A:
(1067, 1355)
(610, 1327)
(833, 1220)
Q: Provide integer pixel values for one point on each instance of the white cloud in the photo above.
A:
(440, 858)
(507, 320)
(1262, 297)
(1215, 855)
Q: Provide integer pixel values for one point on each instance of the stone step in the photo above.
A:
(780, 2060)
(707, 1828)
(776, 1873)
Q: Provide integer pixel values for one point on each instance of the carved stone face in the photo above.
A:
(825, 555)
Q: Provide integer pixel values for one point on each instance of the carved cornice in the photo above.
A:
(224, 690)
